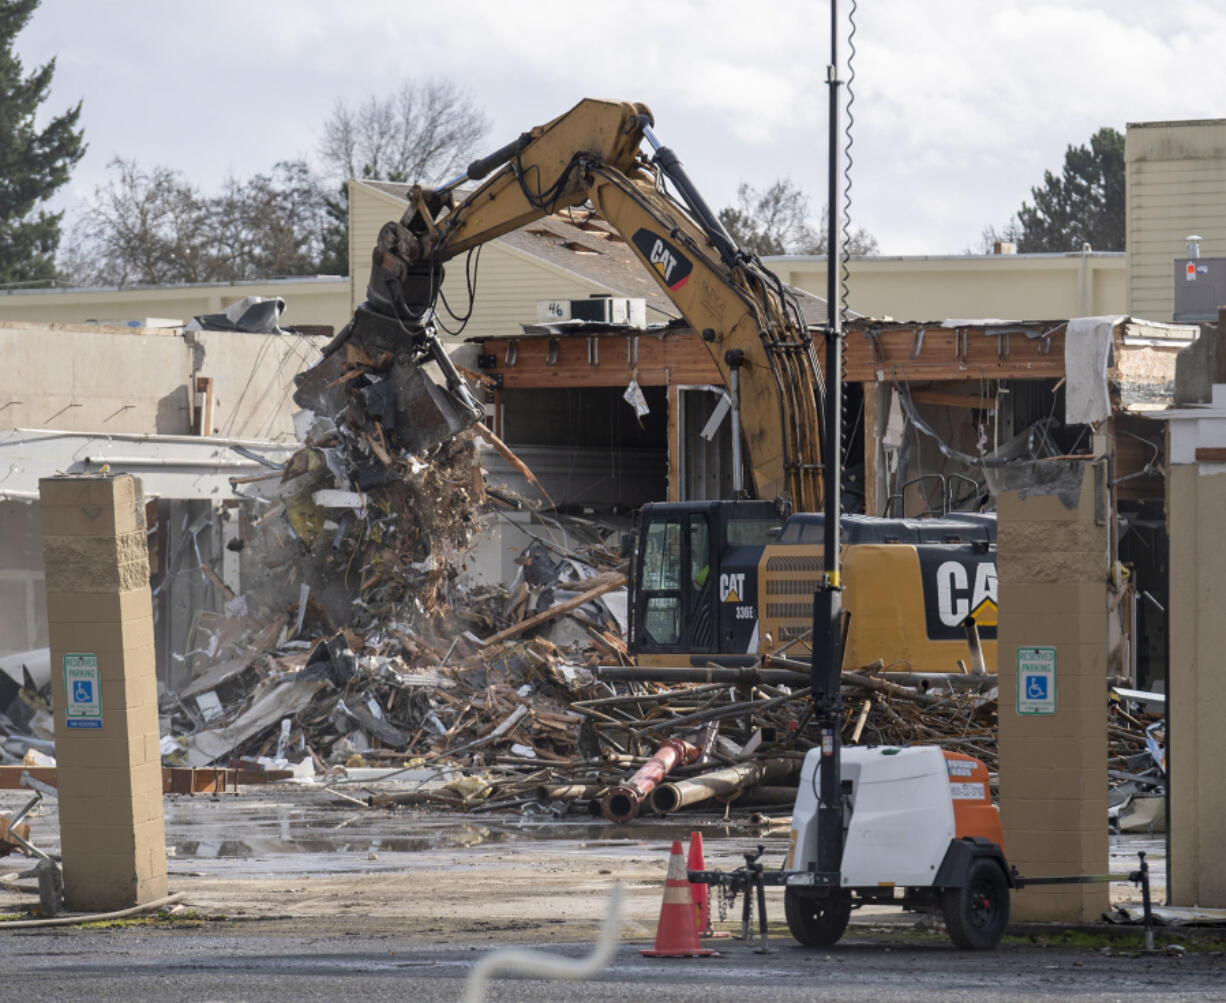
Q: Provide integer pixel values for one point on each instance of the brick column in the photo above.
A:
(1052, 564)
(100, 622)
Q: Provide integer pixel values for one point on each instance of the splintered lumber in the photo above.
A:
(862, 719)
(893, 689)
(604, 583)
(520, 466)
(729, 710)
(722, 783)
(570, 792)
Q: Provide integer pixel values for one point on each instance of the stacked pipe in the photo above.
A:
(622, 803)
(722, 783)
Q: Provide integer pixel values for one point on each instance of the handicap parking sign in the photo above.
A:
(1036, 680)
(83, 688)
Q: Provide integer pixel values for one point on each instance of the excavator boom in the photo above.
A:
(752, 327)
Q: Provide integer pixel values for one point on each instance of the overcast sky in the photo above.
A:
(959, 106)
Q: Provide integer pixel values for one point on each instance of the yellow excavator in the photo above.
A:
(716, 581)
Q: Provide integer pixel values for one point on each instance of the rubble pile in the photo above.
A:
(396, 545)
(523, 724)
(358, 632)
(958, 713)
(1136, 738)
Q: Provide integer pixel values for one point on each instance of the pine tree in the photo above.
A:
(1084, 204)
(33, 163)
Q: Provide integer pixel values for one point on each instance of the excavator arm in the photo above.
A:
(754, 332)
(752, 327)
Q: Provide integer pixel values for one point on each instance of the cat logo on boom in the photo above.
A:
(731, 587)
(671, 265)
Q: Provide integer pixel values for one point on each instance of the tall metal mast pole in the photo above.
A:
(828, 602)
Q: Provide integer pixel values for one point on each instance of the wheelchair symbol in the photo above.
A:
(1036, 687)
(82, 691)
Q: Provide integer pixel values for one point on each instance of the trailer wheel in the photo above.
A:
(977, 913)
(814, 921)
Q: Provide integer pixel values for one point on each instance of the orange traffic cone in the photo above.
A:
(677, 933)
(699, 893)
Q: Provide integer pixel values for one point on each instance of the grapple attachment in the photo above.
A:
(428, 413)
(391, 389)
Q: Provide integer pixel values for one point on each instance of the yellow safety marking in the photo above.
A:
(985, 614)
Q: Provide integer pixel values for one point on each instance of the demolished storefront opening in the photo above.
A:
(937, 398)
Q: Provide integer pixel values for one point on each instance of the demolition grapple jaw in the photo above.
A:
(415, 412)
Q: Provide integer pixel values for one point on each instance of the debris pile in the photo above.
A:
(957, 712)
(538, 727)
(357, 635)
(1136, 737)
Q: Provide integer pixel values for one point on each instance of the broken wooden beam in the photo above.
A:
(606, 583)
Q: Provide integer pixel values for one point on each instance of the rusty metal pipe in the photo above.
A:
(768, 795)
(621, 803)
(722, 783)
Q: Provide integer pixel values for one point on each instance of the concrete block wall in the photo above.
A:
(1196, 499)
(109, 776)
(1052, 564)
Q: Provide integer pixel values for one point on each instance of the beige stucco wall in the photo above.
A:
(322, 300)
(1008, 286)
(1176, 184)
(103, 380)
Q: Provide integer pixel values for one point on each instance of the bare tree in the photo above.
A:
(142, 227)
(267, 226)
(776, 221)
(1010, 233)
(426, 131)
(151, 227)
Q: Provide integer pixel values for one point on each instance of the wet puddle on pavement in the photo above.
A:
(295, 830)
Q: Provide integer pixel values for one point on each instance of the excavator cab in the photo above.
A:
(694, 581)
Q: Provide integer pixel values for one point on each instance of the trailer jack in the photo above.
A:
(749, 880)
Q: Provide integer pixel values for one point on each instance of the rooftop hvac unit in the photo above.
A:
(1200, 288)
(598, 309)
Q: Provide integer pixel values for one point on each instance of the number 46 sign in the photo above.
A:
(1036, 680)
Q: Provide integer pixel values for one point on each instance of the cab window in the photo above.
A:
(661, 582)
(700, 552)
(662, 559)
